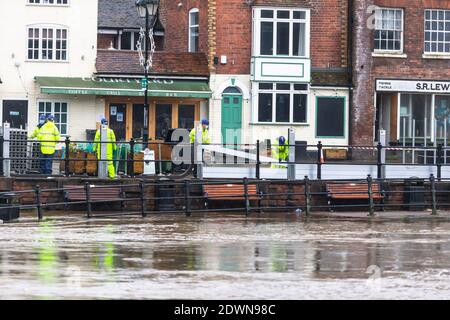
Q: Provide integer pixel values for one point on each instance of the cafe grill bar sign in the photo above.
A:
(417, 86)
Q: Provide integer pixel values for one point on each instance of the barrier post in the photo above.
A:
(291, 156)
(87, 189)
(379, 160)
(307, 196)
(6, 154)
(142, 189)
(198, 152)
(439, 162)
(37, 191)
(258, 161)
(319, 160)
(247, 201)
(187, 198)
(2, 141)
(433, 195)
(103, 164)
(370, 192)
(132, 143)
(66, 156)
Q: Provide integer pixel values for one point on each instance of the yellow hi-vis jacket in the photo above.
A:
(36, 131)
(110, 147)
(205, 136)
(48, 136)
(281, 152)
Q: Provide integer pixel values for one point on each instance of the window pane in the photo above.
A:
(283, 38)
(186, 116)
(265, 107)
(301, 87)
(298, 39)
(125, 41)
(283, 14)
(266, 13)
(266, 86)
(266, 38)
(283, 86)
(299, 15)
(282, 114)
(300, 107)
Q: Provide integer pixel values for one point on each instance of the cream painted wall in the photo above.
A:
(17, 74)
(251, 132)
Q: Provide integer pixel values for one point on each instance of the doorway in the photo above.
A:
(231, 116)
(15, 112)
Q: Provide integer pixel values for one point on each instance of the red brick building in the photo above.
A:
(401, 62)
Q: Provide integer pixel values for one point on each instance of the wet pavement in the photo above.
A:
(278, 256)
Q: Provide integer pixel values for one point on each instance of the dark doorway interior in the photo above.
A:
(15, 112)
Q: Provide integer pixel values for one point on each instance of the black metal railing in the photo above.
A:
(190, 196)
(376, 155)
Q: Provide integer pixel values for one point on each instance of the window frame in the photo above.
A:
(190, 26)
(425, 30)
(53, 102)
(274, 93)
(132, 39)
(257, 19)
(345, 126)
(54, 28)
(402, 38)
(55, 4)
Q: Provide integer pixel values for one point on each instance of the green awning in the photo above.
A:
(124, 87)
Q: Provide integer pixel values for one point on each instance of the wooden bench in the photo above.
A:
(78, 193)
(230, 192)
(352, 191)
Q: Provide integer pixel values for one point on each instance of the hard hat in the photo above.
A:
(205, 122)
(282, 140)
(50, 117)
(42, 118)
(104, 121)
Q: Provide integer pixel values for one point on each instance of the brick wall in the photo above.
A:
(175, 20)
(104, 41)
(367, 69)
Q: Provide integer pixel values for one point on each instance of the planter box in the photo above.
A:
(335, 154)
(91, 166)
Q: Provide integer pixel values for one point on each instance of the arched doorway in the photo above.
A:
(231, 115)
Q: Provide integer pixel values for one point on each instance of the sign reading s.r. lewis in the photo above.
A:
(413, 86)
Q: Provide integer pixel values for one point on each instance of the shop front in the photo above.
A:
(172, 103)
(413, 111)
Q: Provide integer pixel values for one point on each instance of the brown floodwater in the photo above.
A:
(215, 256)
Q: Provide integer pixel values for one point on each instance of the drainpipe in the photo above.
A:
(350, 67)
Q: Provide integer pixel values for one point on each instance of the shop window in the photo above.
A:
(282, 102)
(193, 30)
(330, 117)
(59, 110)
(437, 31)
(415, 115)
(282, 32)
(45, 43)
(163, 120)
(442, 115)
(186, 116)
(388, 34)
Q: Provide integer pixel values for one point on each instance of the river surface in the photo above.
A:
(223, 257)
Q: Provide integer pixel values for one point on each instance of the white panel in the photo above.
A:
(335, 171)
(403, 171)
(281, 69)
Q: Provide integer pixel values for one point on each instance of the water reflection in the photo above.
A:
(164, 256)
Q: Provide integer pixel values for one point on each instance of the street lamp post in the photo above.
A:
(146, 9)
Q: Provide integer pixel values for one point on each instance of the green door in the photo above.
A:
(231, 118)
